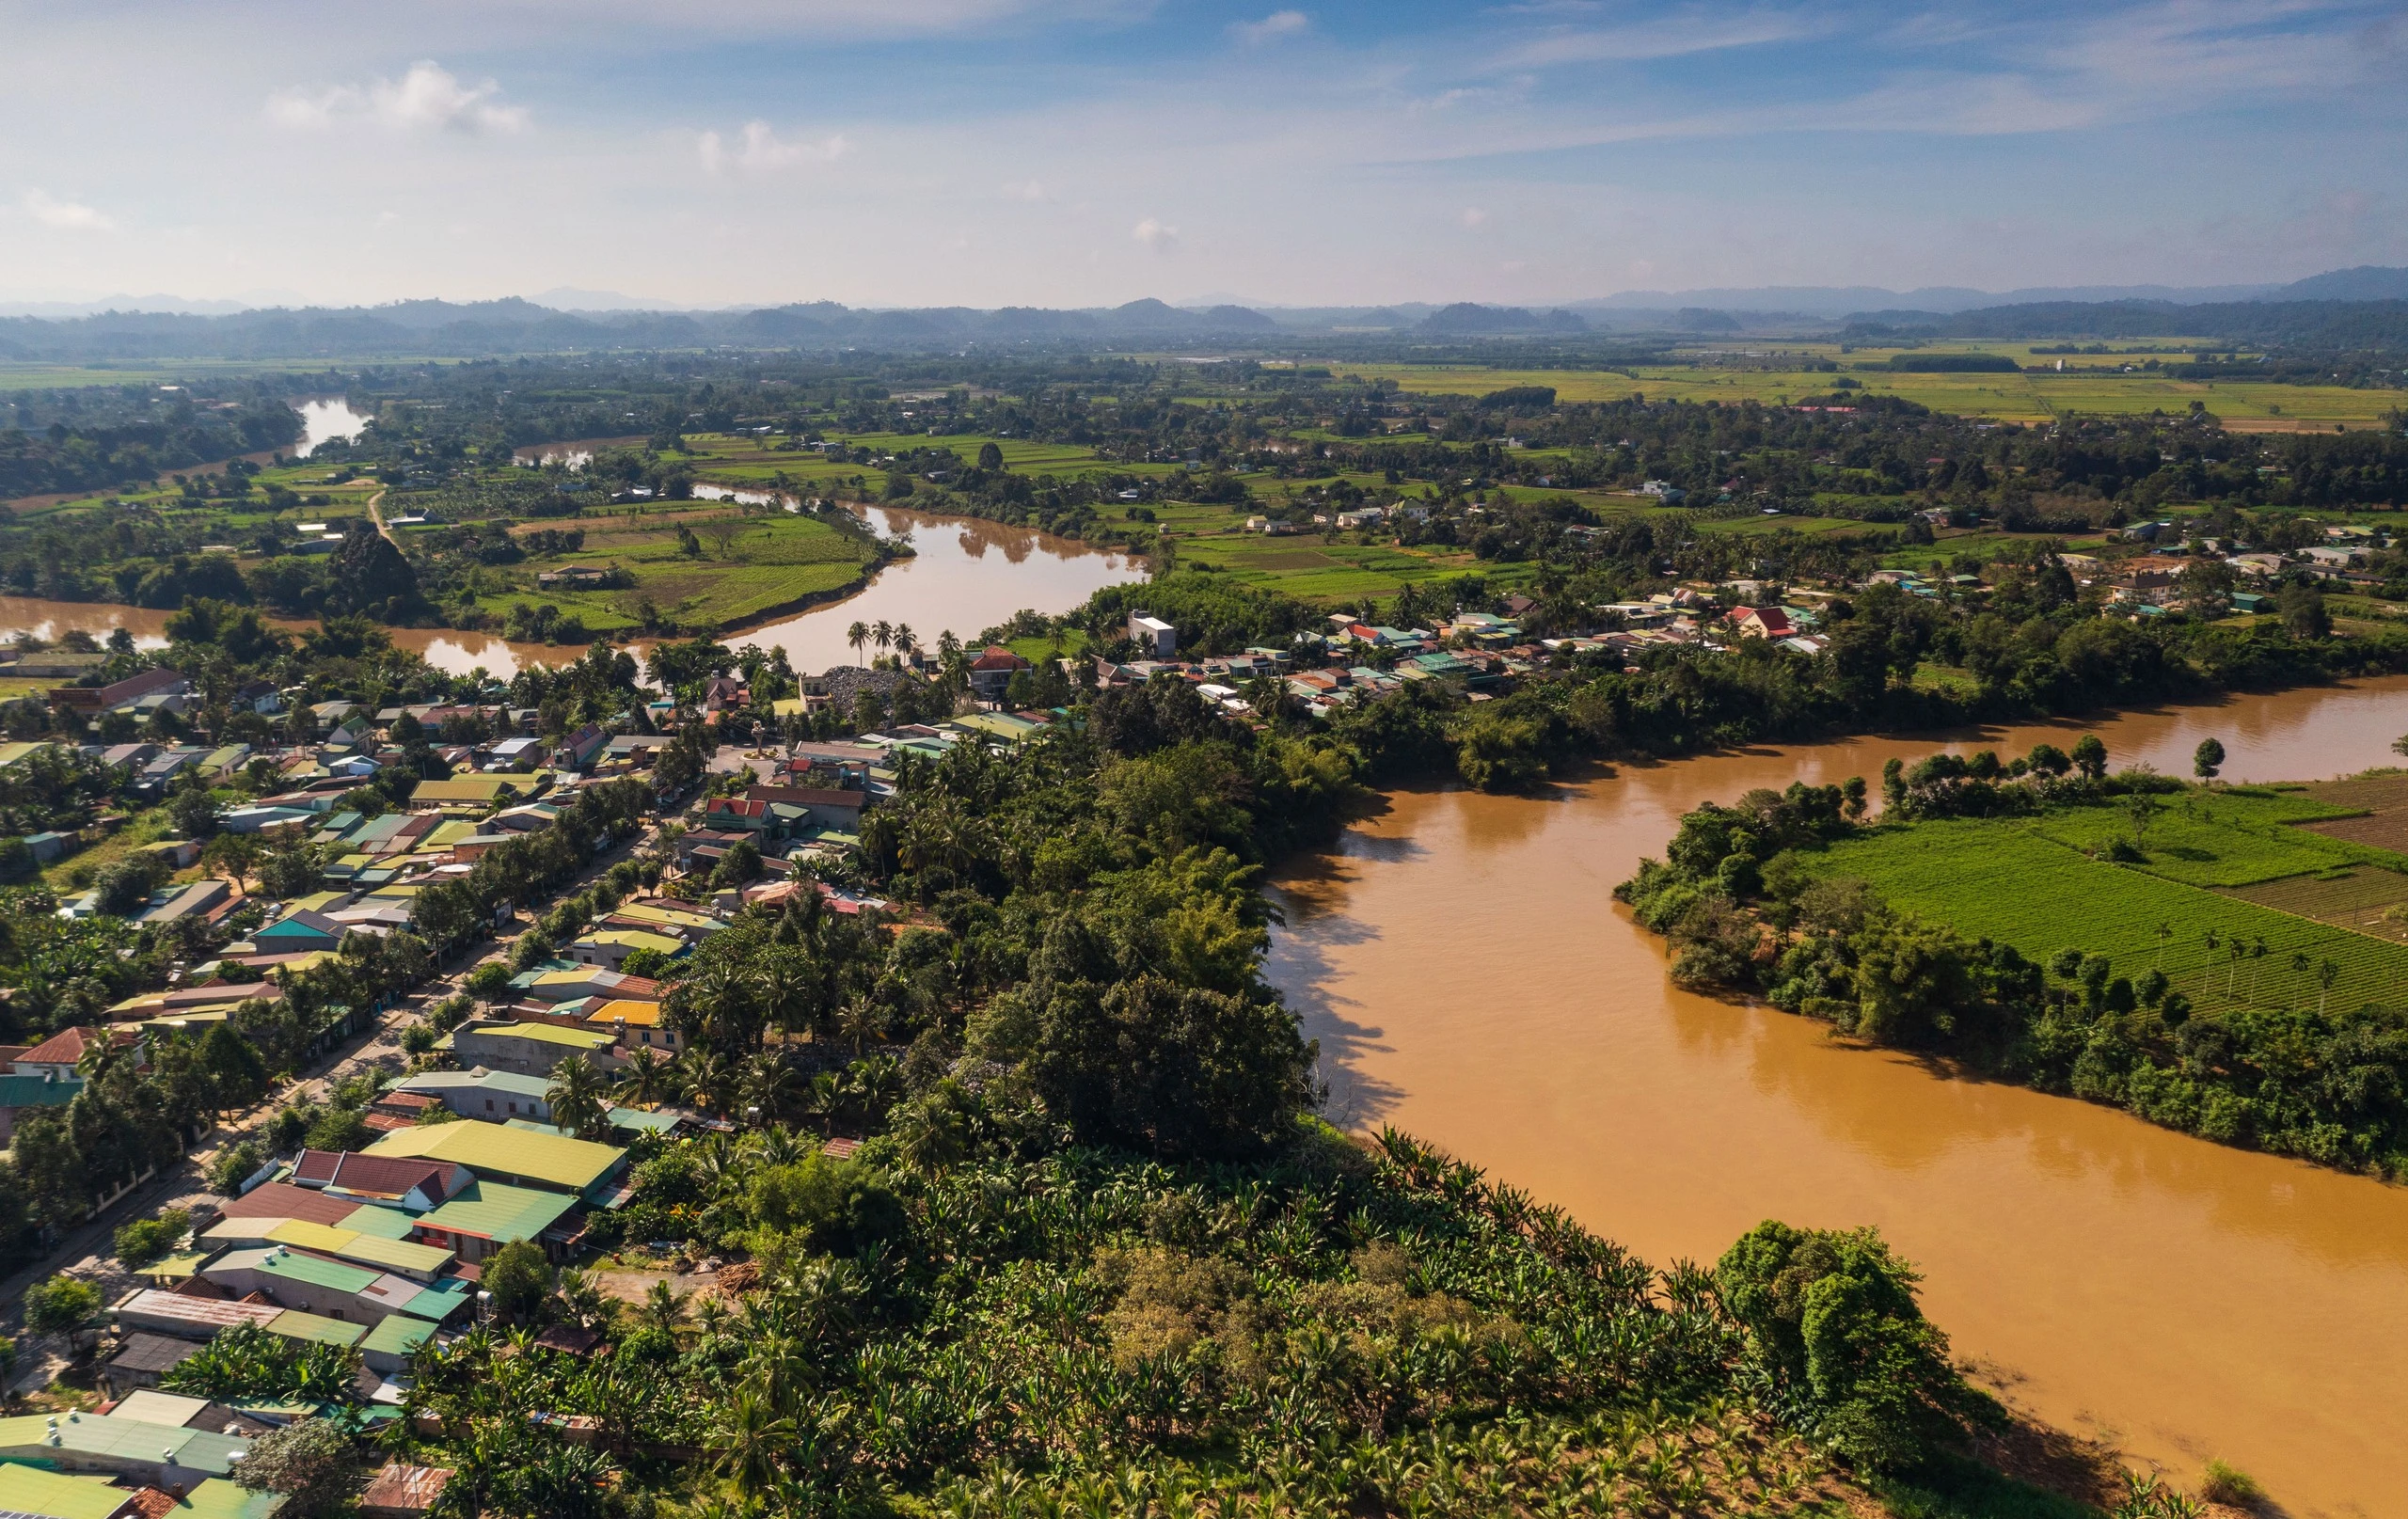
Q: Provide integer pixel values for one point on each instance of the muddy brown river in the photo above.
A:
(1470, 980)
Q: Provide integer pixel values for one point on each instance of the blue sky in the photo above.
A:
(1068, 152)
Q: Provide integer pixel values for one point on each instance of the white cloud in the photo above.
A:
(1672, 37)
(1472, 216)
(1270, 29)
(759, 149)
(428, 98)
(65, 215)
(1156, 235)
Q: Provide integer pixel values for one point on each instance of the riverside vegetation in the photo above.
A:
(1942, 928)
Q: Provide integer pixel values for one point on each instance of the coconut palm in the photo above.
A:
(577, 1096)
(857, 635)
(905, 640)
(646, 1080)
(882, 634)
(664, 1307)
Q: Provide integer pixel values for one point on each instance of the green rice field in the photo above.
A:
(2024, 883)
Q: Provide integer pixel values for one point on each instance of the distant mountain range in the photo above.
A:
(2352, 307)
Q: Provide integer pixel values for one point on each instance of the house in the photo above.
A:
(529, 1049)
(829, 806)
(611, 948)
(464, 791)
(59, 1056)
(578, 749)
(1761, 622)
(1154, 638)
(490, 1095)
(403, 1492)
(636, 1025)
(409, 1182)
(991, 673)
(514, 754)
(552, 987)
(298, 932)
(334, 1290)
(125, 692)
(22, 1094)
(519, 1157)
(141, 1360)
(492, 1214)
(722, 692)
(155, 1455)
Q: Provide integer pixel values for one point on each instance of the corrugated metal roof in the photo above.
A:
(501, 1213)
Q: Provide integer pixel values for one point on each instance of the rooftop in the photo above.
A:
(490, 1149)
(499, 1213)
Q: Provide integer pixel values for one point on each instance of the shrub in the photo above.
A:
(312, 1462)
(146, 1240)
(234, 1165)
(2230, 1485)
(489, 982)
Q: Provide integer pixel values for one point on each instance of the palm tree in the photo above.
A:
(882, 633)
(749, 1435)
(904, 640)
(2327, 973)
(856, 635)
(664, 1307)
(646, 1081)
(575, 1096)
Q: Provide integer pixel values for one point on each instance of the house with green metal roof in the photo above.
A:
(610, 947)
(335, 1289)
(490, 1214)
(20, 1094)
(315, 1329)
(37, 1494)
(494, 1096)
(157, 1455)
(390, 1346)
(512, 1155)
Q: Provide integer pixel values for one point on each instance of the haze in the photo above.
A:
(990, 152)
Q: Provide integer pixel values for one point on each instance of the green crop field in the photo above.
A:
(2227, 838)
(2007, 880)
(770, 561)
(2086, 386)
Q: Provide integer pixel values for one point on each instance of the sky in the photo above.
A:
(1086, 153)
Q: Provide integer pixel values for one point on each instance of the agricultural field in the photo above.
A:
(748, 565)
(2087, 386)
(2008, 880)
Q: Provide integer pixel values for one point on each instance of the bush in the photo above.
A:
(2230, 1485)
(650, 963)
(419, 1038)
(146, 1240)
(489, 982)
(234, 1165)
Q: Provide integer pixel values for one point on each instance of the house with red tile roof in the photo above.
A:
(1761, 622)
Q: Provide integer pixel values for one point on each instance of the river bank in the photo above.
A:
(1470, 979)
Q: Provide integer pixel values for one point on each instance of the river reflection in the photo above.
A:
(325, 419)
(1470, 979)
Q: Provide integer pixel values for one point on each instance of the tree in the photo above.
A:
(61, 1306)
(312, 1462)
(576, 1097)
(2090, 756)
(991, 456)
(194, 812)
(2207, 759)
(1832, 1316)
(233, 854)
(858, 636)
(2304, 614)
(740, 865)
(146, 1240)
(235, 1165)
(489, 982)
(237, 1076)
(521, 1279)
(290, 868)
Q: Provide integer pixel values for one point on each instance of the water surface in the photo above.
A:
(327, 418)
(1470, 980)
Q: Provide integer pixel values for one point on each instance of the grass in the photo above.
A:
(2008, 880)
(1037, 651)
(2221, 839)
